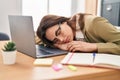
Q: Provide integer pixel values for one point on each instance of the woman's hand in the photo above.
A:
(81, 46)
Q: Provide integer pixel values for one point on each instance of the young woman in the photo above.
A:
(81, 32)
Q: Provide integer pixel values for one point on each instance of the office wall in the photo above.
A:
(78, 6)
(99, 7)
(8, 7)
(14, 7)
(111, 10)
(91, 6)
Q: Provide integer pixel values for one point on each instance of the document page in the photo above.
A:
(78, 58)
(101, 59)
(107, 59)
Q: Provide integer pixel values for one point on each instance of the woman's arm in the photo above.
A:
(107, 35)
(78, 46)
(107, 32)
(82, 46)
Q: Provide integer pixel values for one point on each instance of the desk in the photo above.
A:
(25, 70)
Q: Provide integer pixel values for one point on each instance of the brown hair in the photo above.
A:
(51, 20)
(72, 22)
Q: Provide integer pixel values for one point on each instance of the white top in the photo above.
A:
(79, 34)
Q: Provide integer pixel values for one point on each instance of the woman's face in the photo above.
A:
(60, 33)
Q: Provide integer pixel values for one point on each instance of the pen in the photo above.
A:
(94, 54)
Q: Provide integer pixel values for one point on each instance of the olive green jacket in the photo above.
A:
(98, 30)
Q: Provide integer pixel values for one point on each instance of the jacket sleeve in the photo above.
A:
(109, 34)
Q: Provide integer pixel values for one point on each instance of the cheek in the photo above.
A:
(68, 31)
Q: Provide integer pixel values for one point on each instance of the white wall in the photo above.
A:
(35, 8)
(60, 7)
(99, 8)
(8, 7)
(78, 6)
(14, 7)
(39, 8)
(81, 6)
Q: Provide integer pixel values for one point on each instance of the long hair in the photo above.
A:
(51, 20)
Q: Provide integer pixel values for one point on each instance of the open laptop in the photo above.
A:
(22, 33)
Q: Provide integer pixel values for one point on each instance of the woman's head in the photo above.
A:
(55, 29)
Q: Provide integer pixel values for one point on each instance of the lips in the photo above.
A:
(67, 40)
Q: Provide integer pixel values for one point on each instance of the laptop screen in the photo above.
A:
(22, 33)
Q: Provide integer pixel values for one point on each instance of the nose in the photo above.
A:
(61, 39)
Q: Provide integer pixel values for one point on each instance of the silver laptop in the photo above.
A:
(22, 33)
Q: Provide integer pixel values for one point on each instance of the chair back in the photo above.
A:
(4, 36)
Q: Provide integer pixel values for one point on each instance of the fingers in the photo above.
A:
(73, 47)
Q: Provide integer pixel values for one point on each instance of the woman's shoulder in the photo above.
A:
(89, 19)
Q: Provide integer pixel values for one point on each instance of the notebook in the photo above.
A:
(23, 34)
(86, 59)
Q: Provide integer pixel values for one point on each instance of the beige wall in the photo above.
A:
(91, 6)
(8, 7)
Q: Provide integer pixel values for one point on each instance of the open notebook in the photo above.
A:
(86, 59)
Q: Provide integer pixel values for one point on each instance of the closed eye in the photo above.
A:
(58, 31)
(55, 40)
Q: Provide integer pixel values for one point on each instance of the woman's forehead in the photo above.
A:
(50, 32)
(52, 28)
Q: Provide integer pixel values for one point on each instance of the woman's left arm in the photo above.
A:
(110, 34)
